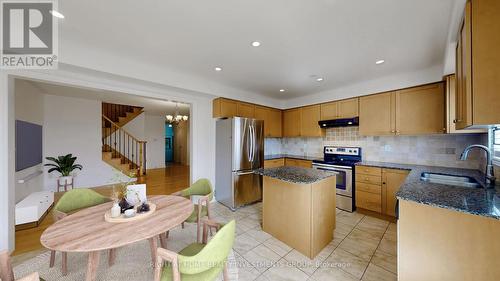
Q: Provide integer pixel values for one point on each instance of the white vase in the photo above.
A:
(115, 210)
(65, 180)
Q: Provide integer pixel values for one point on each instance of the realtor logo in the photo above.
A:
(29, 34)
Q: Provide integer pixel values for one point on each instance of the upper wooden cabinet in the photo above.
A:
(302, 122)
(291, 122)
(309, 117)
(451, 95)
(340, 109)
(224, 108)
(244, 109)
(420, 110)
(413, 111)
(275, 123)
(377, 116)
(272, 120)
(478, 65)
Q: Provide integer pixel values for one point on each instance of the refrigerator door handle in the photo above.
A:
(249, 144)
(244, 173)
(252, 143)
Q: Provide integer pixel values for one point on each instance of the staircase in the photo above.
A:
(120, 149)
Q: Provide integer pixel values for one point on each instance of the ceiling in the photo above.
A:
(338, 40)
(151, 106)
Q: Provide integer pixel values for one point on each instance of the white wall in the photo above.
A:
(155, 137)
(29, 108)
(73, 125)
(136, 127)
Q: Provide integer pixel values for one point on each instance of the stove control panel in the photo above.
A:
(356, 151)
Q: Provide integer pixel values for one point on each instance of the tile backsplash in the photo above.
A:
(434, 150)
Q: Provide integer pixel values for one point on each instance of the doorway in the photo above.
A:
(169, 144)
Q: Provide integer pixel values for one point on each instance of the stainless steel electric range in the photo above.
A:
(341, 160)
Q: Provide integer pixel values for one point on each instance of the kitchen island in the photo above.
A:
(299, 207)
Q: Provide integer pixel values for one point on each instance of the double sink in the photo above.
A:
(462, 181)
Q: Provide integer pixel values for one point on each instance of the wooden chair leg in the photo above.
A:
(163, 241)
(167, 234)
(64, 263)
(198, 230)
(153, 244)
(52, 258)
(112, 257)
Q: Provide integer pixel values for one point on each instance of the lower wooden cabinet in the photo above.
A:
(298, 163)
(368, 201)
(273, 163)
(376, 188)
(391, 182)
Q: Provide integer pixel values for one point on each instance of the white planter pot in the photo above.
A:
(65, 180)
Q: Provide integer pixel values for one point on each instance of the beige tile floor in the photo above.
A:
(364, 248)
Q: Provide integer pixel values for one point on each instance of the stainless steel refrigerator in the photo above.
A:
(239, 151)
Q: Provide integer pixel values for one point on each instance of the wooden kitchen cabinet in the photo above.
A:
(272, 121)
(451, 117)
(298, 163)
(309, 118)
(421, 110)
(224, 108)
(275, 123)
(377, 114)
(413, 111)
(245, 110)
(340, 109)
(478, 65)
(291, 122)
(376, 189)
(302, 122)
(273, 163)
(392, 179)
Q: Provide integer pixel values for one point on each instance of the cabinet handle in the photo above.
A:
(366, 179)
(393, 131)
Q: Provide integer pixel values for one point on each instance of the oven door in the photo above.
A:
(344, 177)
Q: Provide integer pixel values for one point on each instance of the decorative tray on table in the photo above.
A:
(137, 216)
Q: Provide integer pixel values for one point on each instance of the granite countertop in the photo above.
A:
(278, 156)
(476, 201)
(295, 174)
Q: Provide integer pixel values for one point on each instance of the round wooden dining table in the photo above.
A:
(87, 231)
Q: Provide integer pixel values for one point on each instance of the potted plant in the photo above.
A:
(64, 165)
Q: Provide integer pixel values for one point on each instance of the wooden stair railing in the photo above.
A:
(124, 146)
(119, 114)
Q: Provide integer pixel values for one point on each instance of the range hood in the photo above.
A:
(344, 122)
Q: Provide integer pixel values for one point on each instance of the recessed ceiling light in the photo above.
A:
(218, 68)
(56, 14)
(319, 79)
(380, 62)
(282, 90)
(256, 43)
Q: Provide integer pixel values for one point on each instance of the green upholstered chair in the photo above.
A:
(7, 274)
(198, 261)
(71, 202)
(203, 189)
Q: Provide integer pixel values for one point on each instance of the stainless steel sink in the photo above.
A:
(462, 181)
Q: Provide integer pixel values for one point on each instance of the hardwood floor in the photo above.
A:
(159, 181)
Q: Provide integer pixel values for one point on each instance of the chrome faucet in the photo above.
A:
(490, 178)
